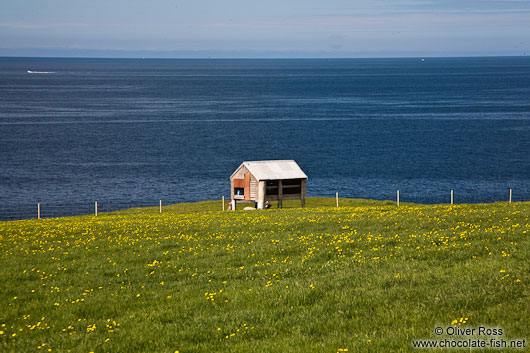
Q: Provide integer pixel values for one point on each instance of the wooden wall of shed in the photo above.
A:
(235, 180)
(240, 173)
(253, 190)
(239, 180)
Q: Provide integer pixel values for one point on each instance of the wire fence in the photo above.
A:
(442, 198)
(53, 210)
(47, 210)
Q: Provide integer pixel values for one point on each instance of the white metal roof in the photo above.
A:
(273, 170)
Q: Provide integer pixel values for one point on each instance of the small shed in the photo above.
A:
(261, 181)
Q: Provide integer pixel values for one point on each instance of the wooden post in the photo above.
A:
(451, 196)
(303, 191)
(510, 199)
(280, 193)
(234, 204)
(398, 198)
(96, 208)
(337, 198)
(160, 206)
(38, 211)
(223, 202)
(262, 189)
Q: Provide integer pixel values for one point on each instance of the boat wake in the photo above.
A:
(40, 72)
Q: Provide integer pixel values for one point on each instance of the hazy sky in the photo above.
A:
(273, 28)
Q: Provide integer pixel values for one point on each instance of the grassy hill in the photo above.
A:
(364, 277)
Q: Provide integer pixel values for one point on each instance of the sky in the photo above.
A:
(273, 28)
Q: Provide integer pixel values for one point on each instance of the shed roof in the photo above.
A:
(274, 170)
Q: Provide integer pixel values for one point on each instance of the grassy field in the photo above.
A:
(364, 277)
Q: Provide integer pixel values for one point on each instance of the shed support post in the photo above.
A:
(451, 197)
(510, 198)
(303, 192)
(223, 202)
(261, 194)
(397, 198)
(280, 193)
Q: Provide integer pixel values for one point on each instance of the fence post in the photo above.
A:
(160, 206)
(451, 196)
(337, 198)
(223, 202)
(397, 198)
(510, 200)
(96, 208)
(38, 210)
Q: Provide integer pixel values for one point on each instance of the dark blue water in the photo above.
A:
(131, 132)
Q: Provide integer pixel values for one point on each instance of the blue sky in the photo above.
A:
(274, 28)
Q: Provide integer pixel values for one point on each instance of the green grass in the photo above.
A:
(366, 276)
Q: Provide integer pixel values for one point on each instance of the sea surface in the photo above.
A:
(132, 132)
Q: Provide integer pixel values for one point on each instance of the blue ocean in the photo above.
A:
(132, 132)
